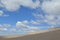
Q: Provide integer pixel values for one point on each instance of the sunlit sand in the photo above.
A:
(51, 34)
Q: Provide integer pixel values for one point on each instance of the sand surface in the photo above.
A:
(52, 34)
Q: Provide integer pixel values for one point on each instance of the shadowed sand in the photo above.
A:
(51, 34)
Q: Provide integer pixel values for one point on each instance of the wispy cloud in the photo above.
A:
(21, 26)
(2, 14)
(24, 25)
(13, 5)
(3, 29)
(50, 7)
(52, 10)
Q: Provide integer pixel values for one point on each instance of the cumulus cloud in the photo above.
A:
(51, 19)
(21, 26)
(52, 9)
(39, 18)
(13, 5)
(24, 25)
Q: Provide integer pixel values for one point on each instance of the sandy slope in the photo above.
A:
(52, 34)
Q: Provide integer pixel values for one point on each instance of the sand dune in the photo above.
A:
(51, 34)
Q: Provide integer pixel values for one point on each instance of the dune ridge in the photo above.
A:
(51, 34)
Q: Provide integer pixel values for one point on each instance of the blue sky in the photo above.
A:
(20, 16)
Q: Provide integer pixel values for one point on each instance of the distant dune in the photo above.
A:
(51, 34)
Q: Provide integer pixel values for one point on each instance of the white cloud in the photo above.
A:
(13, 5)
(36, 15)
(7, 28)
(13, 30)
(36, 22)
(1, 5)
(52, 9)
(50, 19)
(1, 25)
(2, 14)
(25, 26)
(5, 25)
(21, 24)
(33, 28)
(39, 18)
(3, 29)
(6, 15)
